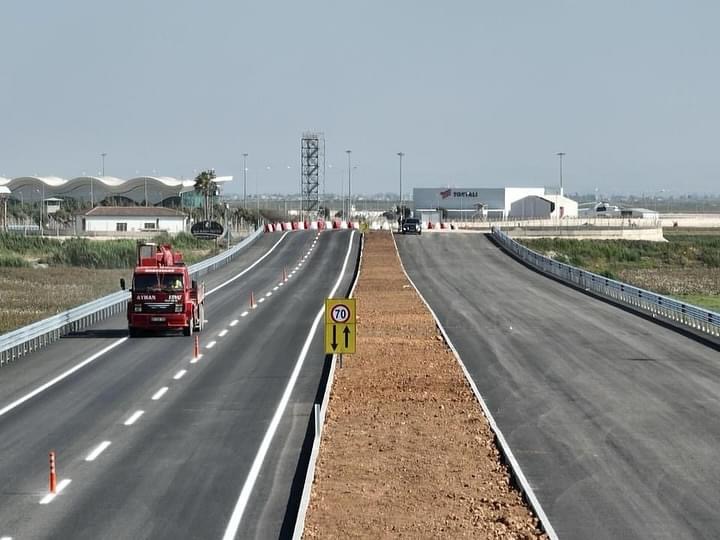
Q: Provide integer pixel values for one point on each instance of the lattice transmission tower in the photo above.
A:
(312, 159)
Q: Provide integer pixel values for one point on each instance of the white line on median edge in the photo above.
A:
(50, 496)
(234, 523)
(130, 421)
(98, 450)
(60, 377)
(160, 393)
(514, 464)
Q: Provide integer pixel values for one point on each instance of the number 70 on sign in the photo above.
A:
(340, 326)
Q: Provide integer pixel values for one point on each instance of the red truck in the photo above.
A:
(163, 297)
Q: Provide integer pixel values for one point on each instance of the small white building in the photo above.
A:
(122, 219)
(543, 207)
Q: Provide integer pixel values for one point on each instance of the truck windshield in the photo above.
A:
(146, 282)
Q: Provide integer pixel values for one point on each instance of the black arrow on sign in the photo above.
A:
(334, 341)
(347, 337)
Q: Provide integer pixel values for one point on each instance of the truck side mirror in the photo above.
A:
(122, 283)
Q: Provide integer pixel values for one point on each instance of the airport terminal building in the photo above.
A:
(469, 203)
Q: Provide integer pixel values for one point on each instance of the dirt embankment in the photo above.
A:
(407, 451)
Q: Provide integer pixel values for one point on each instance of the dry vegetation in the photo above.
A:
(407, 451)
(32, 294)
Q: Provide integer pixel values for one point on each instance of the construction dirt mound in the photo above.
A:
(406, 450)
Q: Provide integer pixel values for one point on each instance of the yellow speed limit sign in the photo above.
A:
(340, 325)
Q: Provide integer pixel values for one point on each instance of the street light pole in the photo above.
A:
(245, 155)
(402, 214)
(560, 155)
(103, 162)
(349, 185)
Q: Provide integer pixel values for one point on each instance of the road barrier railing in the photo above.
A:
(29, 338)
(698, 320)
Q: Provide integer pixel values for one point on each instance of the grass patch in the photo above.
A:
(686, 267)
(711, 302)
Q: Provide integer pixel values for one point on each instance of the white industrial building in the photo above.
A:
(470, 203)
(543, 207)
(122, 219)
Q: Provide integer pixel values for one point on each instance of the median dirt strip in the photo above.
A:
(407, 451)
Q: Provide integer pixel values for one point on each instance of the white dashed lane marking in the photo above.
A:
(160, 393)
(269, 293)
(276, 287)
(137, 414)
(261, 300)
(50, 496)
(211, 344)
(244, 314)
(194, 360)
(179, 374)
(235, 321)
(223, 333)
(98, 450)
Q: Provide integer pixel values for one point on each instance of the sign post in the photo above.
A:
(340, 326)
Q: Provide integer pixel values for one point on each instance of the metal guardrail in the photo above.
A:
(698, 320)
(29, 338)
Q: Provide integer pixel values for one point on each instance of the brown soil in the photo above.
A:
(407, 451)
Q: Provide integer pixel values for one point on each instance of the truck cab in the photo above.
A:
(163, 296)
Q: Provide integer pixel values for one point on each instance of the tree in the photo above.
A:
(205, 185)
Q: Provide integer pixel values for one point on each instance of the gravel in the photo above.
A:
(406, 449)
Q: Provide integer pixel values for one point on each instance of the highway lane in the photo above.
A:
(614, 419)
(177, 471)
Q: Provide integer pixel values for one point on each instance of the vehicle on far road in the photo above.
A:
(411, 225)
(163, 297)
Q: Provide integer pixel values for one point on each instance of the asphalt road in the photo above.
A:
(177, 471)
(614, 419)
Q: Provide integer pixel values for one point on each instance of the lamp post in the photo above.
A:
(103, 162)
(560, 155)
(245, 155)
(348, 152)
(402, 214)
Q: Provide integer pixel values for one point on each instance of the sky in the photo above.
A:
(475, 93)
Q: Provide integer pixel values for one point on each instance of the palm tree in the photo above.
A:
(204, 184)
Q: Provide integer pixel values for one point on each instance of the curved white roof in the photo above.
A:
(158, 187)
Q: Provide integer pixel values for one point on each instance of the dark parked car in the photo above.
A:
(411, 225)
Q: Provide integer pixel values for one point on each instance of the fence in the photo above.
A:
(699, 321)
(24, 340)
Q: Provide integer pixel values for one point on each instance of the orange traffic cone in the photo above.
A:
(196, 350)
(53, 475)
(284, 275)
(252, 300)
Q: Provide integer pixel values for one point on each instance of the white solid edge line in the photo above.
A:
(179, 374)
(133, 418)
(234, 523)
(160, 393)
(60, 377)
(98, 450)
(210, 345)
(50, 496)
(223, 332)
(514, 464)
(235, 321)
(253, 265)
(310, 475)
